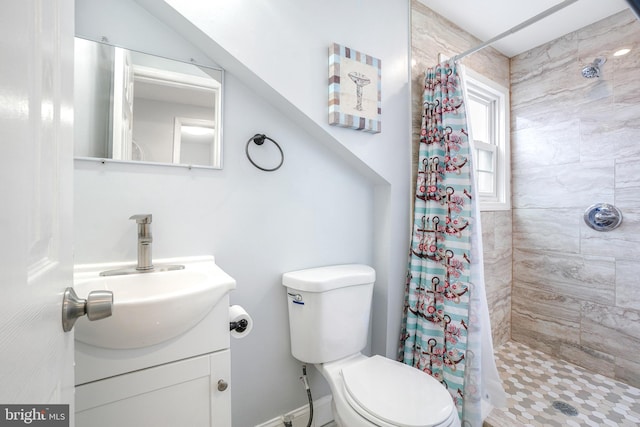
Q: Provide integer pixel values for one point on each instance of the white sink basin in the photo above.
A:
(149, 308)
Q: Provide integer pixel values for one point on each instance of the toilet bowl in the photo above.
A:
(376, 391)
(329, 310)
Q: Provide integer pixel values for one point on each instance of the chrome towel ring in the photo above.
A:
(259, 139)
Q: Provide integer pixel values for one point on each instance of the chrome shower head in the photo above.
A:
(593, 69)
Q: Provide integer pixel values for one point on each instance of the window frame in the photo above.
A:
(497, 97)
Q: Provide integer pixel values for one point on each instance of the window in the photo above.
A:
(488, 114)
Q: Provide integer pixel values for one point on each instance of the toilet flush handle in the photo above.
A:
(296, 298)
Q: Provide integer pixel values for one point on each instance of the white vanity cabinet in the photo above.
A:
(180, 381)
(192, 392)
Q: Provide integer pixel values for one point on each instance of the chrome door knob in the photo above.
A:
(98, 305)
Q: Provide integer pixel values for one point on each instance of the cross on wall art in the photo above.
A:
(354, 89)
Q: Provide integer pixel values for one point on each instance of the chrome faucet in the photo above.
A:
(145, 261)
(145, 238)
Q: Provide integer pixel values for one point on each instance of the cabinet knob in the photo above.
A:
(222, 385)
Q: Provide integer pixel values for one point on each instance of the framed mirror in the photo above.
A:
(135, 107)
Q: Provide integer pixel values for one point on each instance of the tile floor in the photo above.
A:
(543, 391)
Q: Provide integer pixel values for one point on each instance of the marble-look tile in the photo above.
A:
(488, 220)
(497, 266)
(627, 284)
(545, 334)
(546, 82)
(499, 302)
(591, 91)
(611, 329)
(621, 243)
(555, 253)
(554, 100)
(552, 143)
(433, 34)
(544, 318)
(607, 35)
(628, 371)
(534, 301)
(627, 129)
(625, 86)
(530, 337)
(543, 61)
(501, 331)
(549, 229)
(503, 230)
(609, 132)
(498, 263)
(498, 277)
(596, 361)
(491, 64)
(587, 278)
(498, 285)
(497, 230)
(497, 419)
(576, 185)
(627, 182)
(570, 104)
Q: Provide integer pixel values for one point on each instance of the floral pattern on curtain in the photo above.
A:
(435, 322)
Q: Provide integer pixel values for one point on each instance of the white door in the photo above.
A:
(36, 171)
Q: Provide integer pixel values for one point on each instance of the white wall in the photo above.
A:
(341, 196)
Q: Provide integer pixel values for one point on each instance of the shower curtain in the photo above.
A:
(445, 328)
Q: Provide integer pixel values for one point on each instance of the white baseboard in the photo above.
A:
(322, 415)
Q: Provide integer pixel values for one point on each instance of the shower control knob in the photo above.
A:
(602, 217)
(222, 385)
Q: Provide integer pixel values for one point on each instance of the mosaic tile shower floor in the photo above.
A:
(546, 392)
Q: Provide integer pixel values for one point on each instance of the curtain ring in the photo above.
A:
(259, 139)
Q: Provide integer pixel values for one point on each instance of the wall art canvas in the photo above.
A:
(354, 89)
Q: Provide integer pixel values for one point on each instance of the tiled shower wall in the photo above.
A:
(432, 34)
(576, 142)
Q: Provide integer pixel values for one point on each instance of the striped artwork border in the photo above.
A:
(351, 106)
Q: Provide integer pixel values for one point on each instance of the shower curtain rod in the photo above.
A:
(517, 28)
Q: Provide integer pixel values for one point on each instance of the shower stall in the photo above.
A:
(560, 293)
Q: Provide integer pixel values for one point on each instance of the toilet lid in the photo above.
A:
(396, 393)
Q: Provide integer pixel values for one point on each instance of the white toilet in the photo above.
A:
(329, 309)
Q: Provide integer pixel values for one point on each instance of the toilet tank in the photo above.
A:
(329, 311)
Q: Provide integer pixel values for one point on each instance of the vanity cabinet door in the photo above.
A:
(180, 393)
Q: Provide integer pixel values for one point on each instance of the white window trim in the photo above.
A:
(477, 82)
